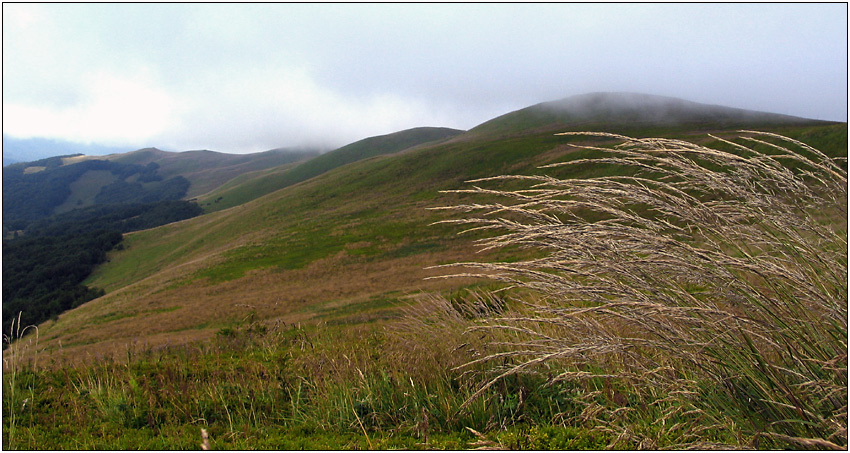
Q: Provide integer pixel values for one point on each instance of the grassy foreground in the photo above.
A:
(697, 302)
(710, 282)
(288, 387)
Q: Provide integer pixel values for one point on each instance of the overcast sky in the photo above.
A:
(245, 78)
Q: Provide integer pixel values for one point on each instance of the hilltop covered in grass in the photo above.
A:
(630, 112)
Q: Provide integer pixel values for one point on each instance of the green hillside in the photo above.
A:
(296, 250)
(206, 170)
(298, 312)
(247, 188)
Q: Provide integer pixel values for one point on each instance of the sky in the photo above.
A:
(242, 78)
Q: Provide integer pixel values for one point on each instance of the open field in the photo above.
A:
(307, 318)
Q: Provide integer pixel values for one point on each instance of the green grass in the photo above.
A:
(320, 238)
(244, 188)
(85, 189)
(326, 386)
(236, 192)
(114, 316)
(380, 201)
(365, 364)
(267, 387)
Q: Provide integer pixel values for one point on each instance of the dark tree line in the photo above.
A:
(29, 197)
(43, 269)
(122, 217)
(43, 275)
(47, 257)
(36, 195)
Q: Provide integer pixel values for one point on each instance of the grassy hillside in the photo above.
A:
(207, 170)
(356, 236)
(303, 318)
(247, 188)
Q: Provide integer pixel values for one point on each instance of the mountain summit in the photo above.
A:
(627, 109)
(652, 109)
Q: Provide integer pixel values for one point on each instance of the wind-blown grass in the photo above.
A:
(703, 290)
(17, 397)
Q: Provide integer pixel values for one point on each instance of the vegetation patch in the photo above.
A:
(116, 315)
(542, 355)
(714, 288)
(255, 387)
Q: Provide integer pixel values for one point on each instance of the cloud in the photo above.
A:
(253, 109)
(106, 108)
(250, 77)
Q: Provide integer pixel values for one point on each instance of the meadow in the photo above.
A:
(633, 293)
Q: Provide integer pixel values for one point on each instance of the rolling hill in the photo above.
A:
(18, 150)
(248, 187)
(631, 111)
(347, 238)
(59, 213)
(207, 170)
(77, 180)
(33, 190)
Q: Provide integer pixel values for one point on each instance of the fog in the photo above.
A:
(246, 78)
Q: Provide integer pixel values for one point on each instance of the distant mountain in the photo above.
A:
(10, 161)
(634, 110)
(207, 169)
(38, 189)
(17, 150)
(371, 147)
(245, 190)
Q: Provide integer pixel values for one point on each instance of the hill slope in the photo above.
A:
(205, 170)
(346, 246)
(19, 150)
(252, 186)
(35, 190)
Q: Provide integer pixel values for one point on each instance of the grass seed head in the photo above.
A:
(727, 266)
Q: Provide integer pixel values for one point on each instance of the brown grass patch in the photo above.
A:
(153, 312)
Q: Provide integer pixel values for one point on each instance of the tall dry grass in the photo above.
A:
(20, 355)
(702, 288)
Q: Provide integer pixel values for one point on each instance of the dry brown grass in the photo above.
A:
(155, 312)
(702, 281)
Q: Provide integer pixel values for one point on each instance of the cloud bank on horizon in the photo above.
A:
(251, 77)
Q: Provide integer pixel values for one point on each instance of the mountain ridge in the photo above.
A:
(80, 180)
(380, 145)
(627, 109)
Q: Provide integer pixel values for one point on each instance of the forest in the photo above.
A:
(47, 256)
(45, 265)
(42, 275)
(32, 196)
